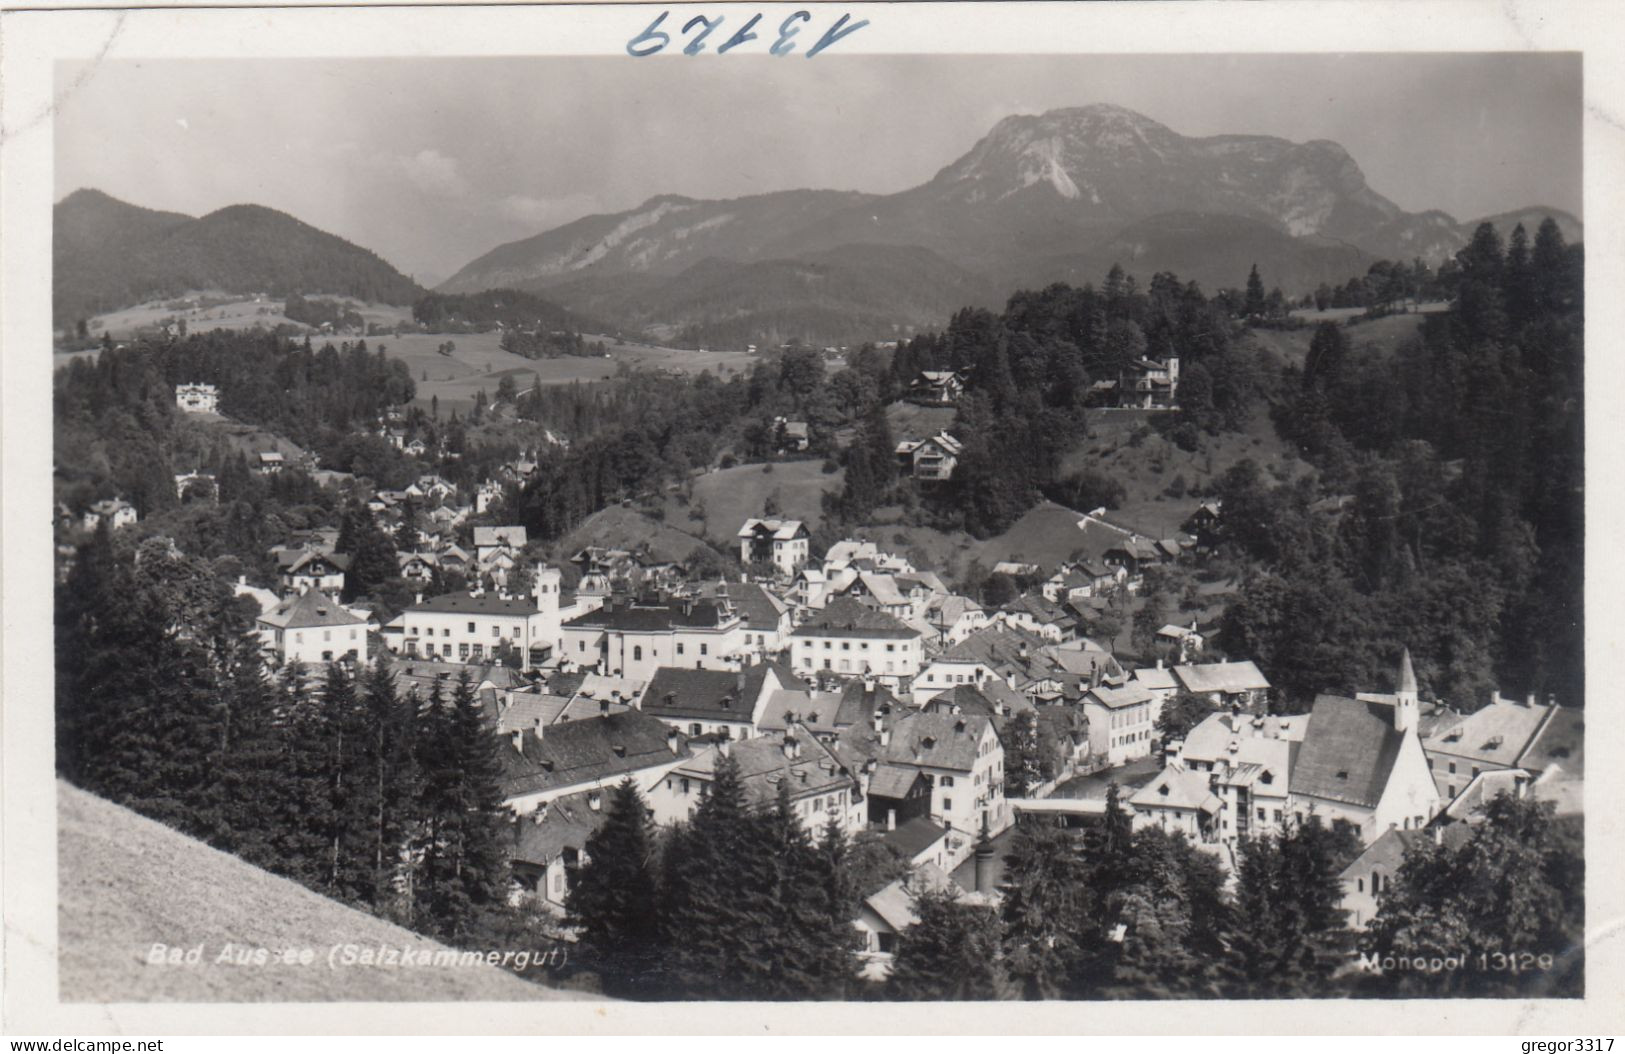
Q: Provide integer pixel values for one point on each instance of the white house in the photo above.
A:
(783, 543)
(313, 628)
(850, 640)
(633, 638)
(1120, 722)
(116, 511)
(933, 458)
(729, 703)
(197, 398)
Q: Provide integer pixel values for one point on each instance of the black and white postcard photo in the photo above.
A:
(640, 518)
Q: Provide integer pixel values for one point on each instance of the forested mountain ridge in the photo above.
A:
(108, 254)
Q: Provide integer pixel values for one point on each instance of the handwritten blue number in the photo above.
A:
(783, 46)
(741, 36)
(835, 33)
(697, 45)
(651, 34)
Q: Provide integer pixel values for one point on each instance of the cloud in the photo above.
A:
(544, 213)
(436, 174)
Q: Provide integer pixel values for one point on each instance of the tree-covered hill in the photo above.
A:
(109, 254)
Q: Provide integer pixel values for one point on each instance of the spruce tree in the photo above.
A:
(717, 897)
(1254, 304)
(952, 952)
(614, 899)
(1047, 909)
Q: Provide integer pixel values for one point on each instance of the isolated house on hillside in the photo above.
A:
(782, 543)
(937, 387)
(932, 459)
(1144, 384)
(197, 398)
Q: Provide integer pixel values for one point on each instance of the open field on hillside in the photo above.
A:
(1385, 334)
(912, 421)
(479, 363)
(128, 883)
(624, 527)
(728, 497)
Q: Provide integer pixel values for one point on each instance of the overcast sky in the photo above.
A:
(431, 162)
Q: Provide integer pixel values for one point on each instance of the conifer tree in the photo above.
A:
(716, 894)
(614, 900)
(1255, 305)
(952, 952)
(1047, 909)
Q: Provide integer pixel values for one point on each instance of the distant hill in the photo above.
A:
(108, 254)
(1531, 218)
(836, 296)
(127, 883)
(1040, 198)
(1213, 250)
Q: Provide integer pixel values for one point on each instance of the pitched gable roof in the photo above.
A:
(308, 609)
(845, 617)
(1176, 787)
(1348, 751)
(1226, 677)
(585, 751)
(717, 695)
(942, 741)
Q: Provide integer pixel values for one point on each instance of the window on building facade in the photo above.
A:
(704, 648)
(471, 627)
(637, 653)
(496, 631)
(679, 648)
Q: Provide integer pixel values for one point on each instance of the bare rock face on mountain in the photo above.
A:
(1063, 185)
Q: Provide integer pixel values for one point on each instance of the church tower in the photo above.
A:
(1405, 700)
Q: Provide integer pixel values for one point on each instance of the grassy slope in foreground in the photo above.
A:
(127, 882)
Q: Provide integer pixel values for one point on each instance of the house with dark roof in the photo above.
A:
(550, 845)
(726, 703)
(1362, 761)
(765, 620)
(1000, 652)
(847, 639)
(937, 387)
(919, 841)
(961, 756)
(304, 567)
(819, 786)
(541, 764)
(476, 626)
(634, 636)
(313, 628)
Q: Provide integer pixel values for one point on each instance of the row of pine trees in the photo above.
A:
(384, 801)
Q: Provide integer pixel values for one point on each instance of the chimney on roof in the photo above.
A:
(595, 801)
(603, 707)
(519, 741)
(539, 814)
(891, 819)
(1529, 700)
(885, 736)
(671, 740)
(723, 747)
(540, 724)
(792, 747)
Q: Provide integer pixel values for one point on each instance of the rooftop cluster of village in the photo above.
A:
(884, 701)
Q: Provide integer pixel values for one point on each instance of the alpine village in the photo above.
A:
(1195, 615)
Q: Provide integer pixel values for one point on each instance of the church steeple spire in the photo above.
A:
(1405, 700)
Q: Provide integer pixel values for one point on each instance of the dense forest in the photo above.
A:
(1459, 466)
(508, 308)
